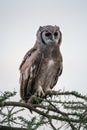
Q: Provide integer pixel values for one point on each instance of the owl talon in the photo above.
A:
(40, 92)
(48, 92)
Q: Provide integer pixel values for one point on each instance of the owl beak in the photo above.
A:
(52, 38)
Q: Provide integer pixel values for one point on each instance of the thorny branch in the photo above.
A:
(58, 109)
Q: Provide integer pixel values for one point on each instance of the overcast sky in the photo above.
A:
(19, 21)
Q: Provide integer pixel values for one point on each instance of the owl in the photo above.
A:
(42, 65)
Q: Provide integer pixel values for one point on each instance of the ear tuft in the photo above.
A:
(40, 28)
(57, 27)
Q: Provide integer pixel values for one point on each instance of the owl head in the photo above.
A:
(49, 34)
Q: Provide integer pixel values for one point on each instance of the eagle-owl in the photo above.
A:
(42, 64)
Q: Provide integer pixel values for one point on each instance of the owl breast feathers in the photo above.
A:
(42, 65)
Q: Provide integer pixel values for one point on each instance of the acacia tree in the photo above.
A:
(63, 110)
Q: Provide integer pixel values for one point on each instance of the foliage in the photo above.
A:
(62, 110)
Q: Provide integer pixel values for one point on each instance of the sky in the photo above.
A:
(19, 21)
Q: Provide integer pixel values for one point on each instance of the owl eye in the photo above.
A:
(47, 34)
(56, 34)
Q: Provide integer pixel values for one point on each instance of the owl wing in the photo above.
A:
(59, 72)
(60, 69)
(28, 72)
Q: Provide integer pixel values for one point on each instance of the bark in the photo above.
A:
(11, 128)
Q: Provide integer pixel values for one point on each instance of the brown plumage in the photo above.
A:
(42, 65)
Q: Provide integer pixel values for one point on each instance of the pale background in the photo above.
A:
(19, 21)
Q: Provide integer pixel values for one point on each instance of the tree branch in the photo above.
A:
(50, 108)
(11, 128)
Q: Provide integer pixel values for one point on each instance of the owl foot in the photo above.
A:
(31, 100)
(40, 92)
(48, 92)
